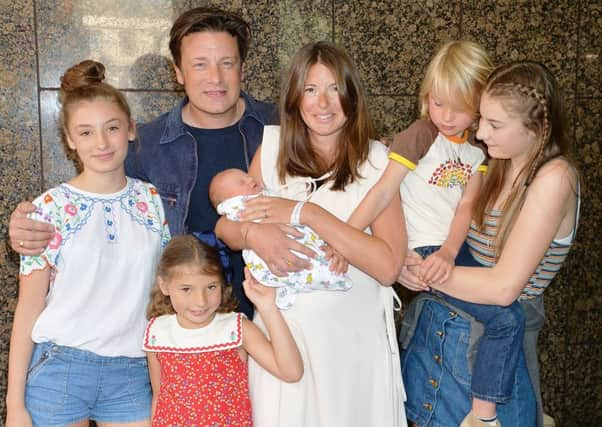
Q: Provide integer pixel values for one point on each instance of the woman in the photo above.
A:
(523, 227)
(324, 153)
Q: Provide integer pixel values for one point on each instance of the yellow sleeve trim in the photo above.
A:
(400, 159)
(483, 169)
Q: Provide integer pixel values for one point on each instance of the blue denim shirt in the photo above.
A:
(167, 155)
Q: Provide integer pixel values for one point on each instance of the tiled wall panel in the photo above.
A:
(543, 30)
(589, 66)
(385, 38)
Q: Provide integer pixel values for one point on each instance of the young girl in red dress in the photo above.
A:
(197, 346)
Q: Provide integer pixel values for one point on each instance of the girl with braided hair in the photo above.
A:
(523, 226)
(437, 167)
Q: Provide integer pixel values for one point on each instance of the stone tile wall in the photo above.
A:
(391, 41)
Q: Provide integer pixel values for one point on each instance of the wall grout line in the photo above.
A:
(56, 89)
(39, 93)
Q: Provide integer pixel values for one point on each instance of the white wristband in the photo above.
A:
(296, 214)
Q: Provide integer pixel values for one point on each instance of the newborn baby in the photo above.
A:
(228, 192)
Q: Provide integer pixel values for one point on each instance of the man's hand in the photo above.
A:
(27, 236)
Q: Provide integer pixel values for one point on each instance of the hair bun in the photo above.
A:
(85, 73)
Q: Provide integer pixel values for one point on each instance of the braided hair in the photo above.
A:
(529, 91)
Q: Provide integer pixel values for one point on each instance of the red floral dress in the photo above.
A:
(203, 380)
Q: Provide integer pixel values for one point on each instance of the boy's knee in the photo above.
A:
(507, 322)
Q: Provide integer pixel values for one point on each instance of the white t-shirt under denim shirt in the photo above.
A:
(440, 167)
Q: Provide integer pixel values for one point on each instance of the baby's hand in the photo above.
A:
(338, 263)
(261, 296)
(437, 267)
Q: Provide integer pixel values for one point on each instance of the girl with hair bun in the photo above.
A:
(76, 345)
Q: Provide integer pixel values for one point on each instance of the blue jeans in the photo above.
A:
(501, 344)
(436, 371)
(66, 385)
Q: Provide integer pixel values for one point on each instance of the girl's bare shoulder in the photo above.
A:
(557, 174)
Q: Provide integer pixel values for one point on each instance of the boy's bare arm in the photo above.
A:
(438, 266)
(379, 196)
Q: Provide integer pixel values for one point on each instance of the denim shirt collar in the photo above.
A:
(175, 126)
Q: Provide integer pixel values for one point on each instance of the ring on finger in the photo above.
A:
(21, 243)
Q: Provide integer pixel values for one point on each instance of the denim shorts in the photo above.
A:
(66, 385)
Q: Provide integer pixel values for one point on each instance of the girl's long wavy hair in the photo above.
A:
(296, 156)
(527, 90)
(188, 251)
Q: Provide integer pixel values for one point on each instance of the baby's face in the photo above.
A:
(239, 183)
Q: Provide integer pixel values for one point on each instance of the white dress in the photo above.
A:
(347, 339)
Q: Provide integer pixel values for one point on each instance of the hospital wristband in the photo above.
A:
(296, 214)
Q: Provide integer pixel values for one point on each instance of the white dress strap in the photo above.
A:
(393, 303)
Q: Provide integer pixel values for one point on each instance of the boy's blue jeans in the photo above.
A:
(499, 347)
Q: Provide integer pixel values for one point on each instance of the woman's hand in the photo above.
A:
(274, 244)
(338, 263)
(268, 210)
(409, 273)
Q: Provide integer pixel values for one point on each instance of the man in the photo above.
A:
(215, 127)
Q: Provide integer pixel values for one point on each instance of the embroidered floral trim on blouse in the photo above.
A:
(69, 210)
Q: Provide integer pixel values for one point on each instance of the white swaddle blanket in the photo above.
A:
(319, 277)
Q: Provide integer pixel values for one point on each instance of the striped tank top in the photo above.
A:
(481, 245)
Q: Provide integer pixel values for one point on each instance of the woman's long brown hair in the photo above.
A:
(296, 156)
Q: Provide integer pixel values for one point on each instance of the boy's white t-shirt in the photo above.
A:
(440, 167)
(103, 259)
